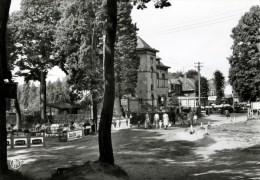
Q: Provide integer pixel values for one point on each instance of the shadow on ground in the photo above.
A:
(144, 154)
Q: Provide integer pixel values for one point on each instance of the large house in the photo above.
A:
(152, 85)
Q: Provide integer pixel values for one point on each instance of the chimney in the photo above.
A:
(185, 78)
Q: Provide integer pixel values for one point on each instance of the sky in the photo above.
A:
(192, 31)
(188, 32)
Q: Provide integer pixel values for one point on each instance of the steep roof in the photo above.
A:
(161, 64)
(142, 45)
(188, 84)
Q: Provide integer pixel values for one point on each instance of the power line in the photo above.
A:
(193, 24)
(185, 29)
(200, 19)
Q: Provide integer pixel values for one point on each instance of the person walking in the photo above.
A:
(165, 120)
(156, 119)
(139, 120)
(190, 117)
(147, 121)
(181, 116)
(173, 116)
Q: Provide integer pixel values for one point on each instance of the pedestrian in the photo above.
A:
(156, 119)
(195, 117)
(87, 127)
(165, 120)
(147, 123)
(173, 116)
(72, 126)
(190, 117)
(227, 113)
(126, 120)
(181, 116)
(160, 124)
(139, 120)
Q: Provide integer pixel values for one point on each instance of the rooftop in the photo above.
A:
(142, 45)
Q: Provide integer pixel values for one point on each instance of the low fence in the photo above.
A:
(25, 141)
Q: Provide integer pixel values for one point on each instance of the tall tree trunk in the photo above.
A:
(104, 138)
(18, 113)
(4, 11)
(43, 96)
(94, 101)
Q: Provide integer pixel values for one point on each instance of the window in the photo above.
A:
(151, 87)
(152, 73)
(157, 62)
(212, 92)
(151, 61)
(157, 75)
(163, 78)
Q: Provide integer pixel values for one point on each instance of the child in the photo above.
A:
(165, 121)
(160, 124)
(156, 120)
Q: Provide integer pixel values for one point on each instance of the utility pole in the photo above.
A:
(199, 66)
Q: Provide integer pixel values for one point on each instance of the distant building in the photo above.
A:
(152, 85)
(184, 89)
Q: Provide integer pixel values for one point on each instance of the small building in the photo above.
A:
(184, 89)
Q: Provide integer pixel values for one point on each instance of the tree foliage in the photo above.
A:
(219, 81)
(74, 44)
(32, 29)
(126, 60)
(204, 87)
(244, 62)
(192, 73)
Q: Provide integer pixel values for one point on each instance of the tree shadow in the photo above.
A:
(146, 154)
(155, 158)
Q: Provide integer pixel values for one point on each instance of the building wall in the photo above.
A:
(146, 75)
(150, 88)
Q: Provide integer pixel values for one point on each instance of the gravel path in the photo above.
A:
(230, 151)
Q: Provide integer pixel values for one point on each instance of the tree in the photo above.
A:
(126, 60)
(4, 11)
(104, 137)
(34, 105)
(192, 74)
(50, 92)
(176, 74)
(244, 62)
(33, 28)
(25, 95)
(77, 46)
(204, 88)
(219, 81)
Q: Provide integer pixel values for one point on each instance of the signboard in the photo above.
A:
(73, 135)
(212, 98)
(20, 142)
(124, 102)
(255, 105)
(36, 141)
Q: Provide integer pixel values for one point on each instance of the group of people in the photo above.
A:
(161, 123)
(165, 121)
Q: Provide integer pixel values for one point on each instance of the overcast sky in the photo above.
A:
(192, 30)
(189, 31)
